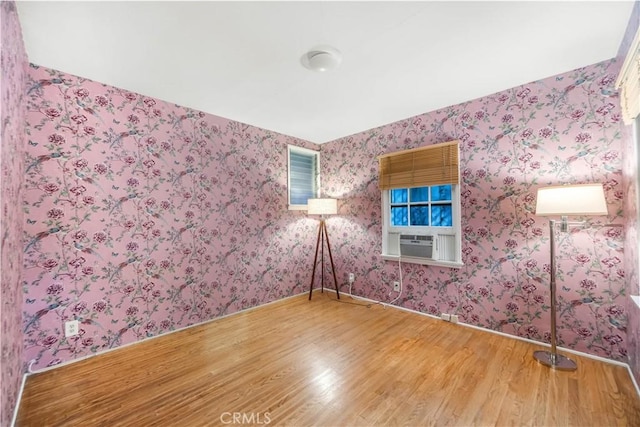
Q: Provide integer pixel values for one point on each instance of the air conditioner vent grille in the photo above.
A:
(416, 237)
(418, 246)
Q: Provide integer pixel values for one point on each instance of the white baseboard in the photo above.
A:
(635, 383)
(20, 391)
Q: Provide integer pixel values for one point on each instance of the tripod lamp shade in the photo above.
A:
(322, 206)
(578, 199)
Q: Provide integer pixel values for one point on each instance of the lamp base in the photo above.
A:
(555, 361)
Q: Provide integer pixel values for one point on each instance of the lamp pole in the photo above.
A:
(552, 358)
(322, 237)
(322, 207)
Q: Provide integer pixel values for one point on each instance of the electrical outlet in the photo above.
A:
(454, 318)
(445, 316)
(396, 286)
(352, 277)
(71, 328)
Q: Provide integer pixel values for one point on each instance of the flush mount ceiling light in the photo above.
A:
(321, 58)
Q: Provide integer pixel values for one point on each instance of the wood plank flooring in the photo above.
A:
(328, 363)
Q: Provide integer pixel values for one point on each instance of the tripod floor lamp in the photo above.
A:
(562, 201)
(322, 207)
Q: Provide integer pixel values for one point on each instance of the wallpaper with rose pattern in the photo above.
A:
(13, 74)
(563, 129)
(142, 217)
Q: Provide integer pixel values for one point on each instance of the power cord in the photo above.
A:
(400, 291)
(347, 302)
(350, 285)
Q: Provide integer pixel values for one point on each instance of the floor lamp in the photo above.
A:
(322, 207)
(562, 201)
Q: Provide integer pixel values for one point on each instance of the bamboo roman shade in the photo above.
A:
(628, 82)
(432, 165)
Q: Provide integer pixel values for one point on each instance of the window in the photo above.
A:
(628, 82)
(421, 206)
(304, 176)
(421, 197)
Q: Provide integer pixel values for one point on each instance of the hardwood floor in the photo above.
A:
(327, 363)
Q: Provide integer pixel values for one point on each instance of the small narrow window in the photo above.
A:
(304, 176)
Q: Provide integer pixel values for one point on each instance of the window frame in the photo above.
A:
(389, 231)
(316, 178)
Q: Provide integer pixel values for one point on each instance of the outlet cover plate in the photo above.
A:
(71, 328)
(396, 286)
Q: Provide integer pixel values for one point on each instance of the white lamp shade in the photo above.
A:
(564, 200)
(322, 206)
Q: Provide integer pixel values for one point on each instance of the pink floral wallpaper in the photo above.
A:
(630, 180)
(142, 217)
(563, 129)
(13, 81)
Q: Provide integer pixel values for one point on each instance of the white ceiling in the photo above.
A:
(241, 60)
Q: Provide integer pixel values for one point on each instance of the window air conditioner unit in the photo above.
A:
(418, 246)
